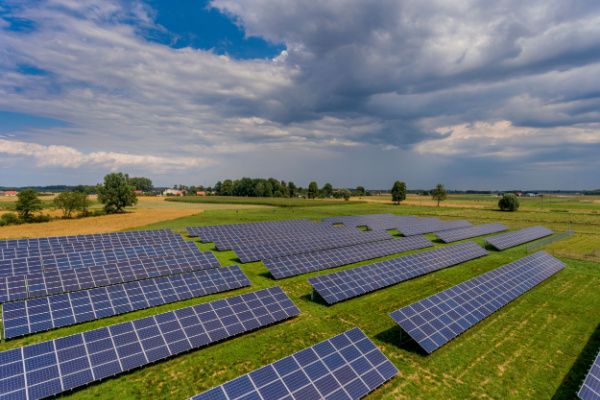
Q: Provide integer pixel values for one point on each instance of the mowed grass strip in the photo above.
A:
(528, 349)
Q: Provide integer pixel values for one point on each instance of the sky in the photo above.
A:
(472, 94)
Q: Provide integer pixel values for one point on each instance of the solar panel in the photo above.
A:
(209, 232)
(590, 390)
(55, 282)
(37, 315)
(454, 235)
(347, 366)
(51, 367)
(284, 267)
(75, 247)
(257, 252)
(33, 265)
(512, 239)
(435, 320)
(373, 221)
(80, 238)
(353, 282)
(432, 226)
(233, 241)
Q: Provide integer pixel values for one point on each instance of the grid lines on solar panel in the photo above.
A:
(285, 267)
(435, 320)
(454, 235)
(37, 315)
(590, 389)
(351, 218)
(32, 265)
(353, 282)
(209, 232)
(512, 239)
(63, 248)
(80, 238)
(257, 252)
(231, 242)
(51, 367)
(429, 227)
(347, 366)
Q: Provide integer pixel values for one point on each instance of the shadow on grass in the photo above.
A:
(315, 297)
(400, 339)
(267, 275)
(570, 385)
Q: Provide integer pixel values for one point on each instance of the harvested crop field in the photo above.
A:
(107, 223)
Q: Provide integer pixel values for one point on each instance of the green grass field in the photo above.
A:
(539, 346)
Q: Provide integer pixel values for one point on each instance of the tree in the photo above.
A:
(227, 188)
(508, 202)
(399, 192)
(259, 189)
(143, 184)
(293, 190)
(67, 202)
(313, 190)
(116, 193)
(218, 187)
(439, 193)
(327, 189)
(27, 204)
(360, 191)
(345, 194)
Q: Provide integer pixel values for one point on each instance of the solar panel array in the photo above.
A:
(64, 248)
(373, 221)
(435, 320)
(590, 390)
(353, 282)
(210, 232)
(51, 367)
(454, 235)
(347, 366)
(55, 281)
(512, 239)
(25, 266)
(432, 226)
(285, 267)
(257, 252)
(47, 241)
(233, 241)
(37, 315)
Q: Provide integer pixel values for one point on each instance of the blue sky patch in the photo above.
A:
(14, 121)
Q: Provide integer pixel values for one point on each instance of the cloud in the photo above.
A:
(69, 157)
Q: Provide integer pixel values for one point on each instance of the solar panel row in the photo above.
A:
(51, 367)
(64, 248)
(374, 221)
(231, 242)
(80, 238)
(209, 232)
(511, 239)
(454, 235)
(353, 282)
(432, 226)
(285, 267)
(353, 219)
(32, 265)
(590, 390)
(435, 320)
(37, 315)
(55, 282)
(347, 366)
(257, 252)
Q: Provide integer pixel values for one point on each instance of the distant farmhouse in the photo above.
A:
(9, 193)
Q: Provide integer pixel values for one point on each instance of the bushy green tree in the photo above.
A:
(27, 204)
(439, 193)
(9, 219)
(293, 189)
(327, 189)
(143, 184)
(313, 190)
(508, 202)
(399, 192)
(226, 188)
(360, 190)
(345, 194)
(69, 202)
(116, 193)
